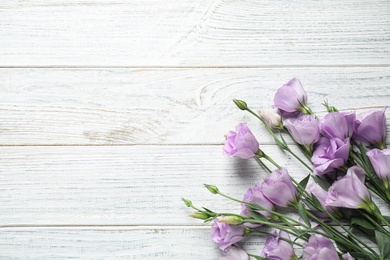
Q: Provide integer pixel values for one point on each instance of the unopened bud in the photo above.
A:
(271, 118)
(187, 202)
(232, 220)
(200, 215)
(213, 189)
(240, 104)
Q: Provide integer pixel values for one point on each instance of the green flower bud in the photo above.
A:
(187, 202)
(240, 104)
(213, 189)
(200, 215)
(232, 220)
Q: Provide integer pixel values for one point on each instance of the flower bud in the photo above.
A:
(187, 202)
(271, 118)
(232, 220)
(200, 215)
(213, 189)
(240, 104)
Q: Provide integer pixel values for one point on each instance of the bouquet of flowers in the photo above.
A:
(337, 216)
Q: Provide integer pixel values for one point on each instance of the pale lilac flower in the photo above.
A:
(347, 256)
(380, 160)
(226, 235)
(304, 129)
(338, 125)
(255, 196)
(271, 118)
(290, 97)
(235, 253)
(370, 128)
(321, 195)
(330, 154)
(279, 188)
(349, 191)
(241, 143)
(276, 248)
(319, 248)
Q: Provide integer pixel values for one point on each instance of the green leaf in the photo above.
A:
(302, 213)
(383, 243)
(303, 183)
(323, 184)
(362, 222)
(387, 218)
(257, 215)
(316, 202)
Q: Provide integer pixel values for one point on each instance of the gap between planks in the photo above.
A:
(277, 66)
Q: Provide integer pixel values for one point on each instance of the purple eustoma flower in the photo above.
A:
(235, 253)
(226, 235)
(380, 160)
(279, 188)
(319, 248)
(349, 191)
(330, 154)
(370, 128)
(241, 143)
(304, 129)
(338, 125)
(255, 196)
(278, 249)
(290, 98)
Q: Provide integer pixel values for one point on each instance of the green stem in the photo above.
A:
(271, 234)
(257, 158)
(271, 161)
(277, 140)
(373, 221)
(341, 238)
(282, 216)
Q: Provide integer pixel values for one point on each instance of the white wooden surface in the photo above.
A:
(111, 111)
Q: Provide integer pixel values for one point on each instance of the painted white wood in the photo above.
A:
(122, 185)
(194, 33)
(113, 243)
(163, 106)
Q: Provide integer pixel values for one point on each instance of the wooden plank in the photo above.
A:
(163, 106)
(118, 243)
(194, 33)
(125, 185)
(112, 243)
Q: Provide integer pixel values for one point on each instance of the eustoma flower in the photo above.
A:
(226, 235)
(319, 248)
(241, 143)
(291, 98)
(370, 128)
(279, 188)
(277, 249)
(350, 191)
(338, 125)
(255, 195)
(380, 160)
(304, 129)
(330, 154)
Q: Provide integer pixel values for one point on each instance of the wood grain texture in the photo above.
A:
(194, 33)
(163, 106)
(113, 243)
(135, 185)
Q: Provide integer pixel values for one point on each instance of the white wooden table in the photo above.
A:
(112, 110)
